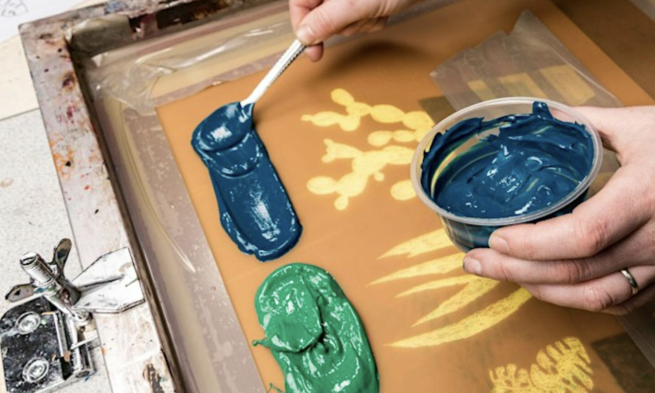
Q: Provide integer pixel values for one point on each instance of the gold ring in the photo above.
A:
(631, 280)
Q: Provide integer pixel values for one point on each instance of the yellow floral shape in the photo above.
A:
(417, 122)
(327, 119)
(365, 164)
(342, 97)
(379, 138)
(349, 121)
(403, 136)
(387, 114)
(563, 367)
(403, 190)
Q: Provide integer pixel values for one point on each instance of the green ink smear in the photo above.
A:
(314, 333)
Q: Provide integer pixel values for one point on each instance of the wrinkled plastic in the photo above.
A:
(530, 61)
(132, 74)
(646, 6)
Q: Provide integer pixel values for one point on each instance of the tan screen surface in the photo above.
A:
(341, 133)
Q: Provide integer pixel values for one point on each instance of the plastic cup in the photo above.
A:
(469, 232)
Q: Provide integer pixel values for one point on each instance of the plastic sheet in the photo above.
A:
(143, 75)
(530, 61)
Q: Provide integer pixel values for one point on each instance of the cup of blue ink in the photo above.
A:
(504, 162)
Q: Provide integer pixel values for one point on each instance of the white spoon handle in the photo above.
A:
(287, 58)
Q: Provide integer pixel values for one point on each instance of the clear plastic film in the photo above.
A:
(646, 6)
(530, 61)
(160, 71)
(155, 72)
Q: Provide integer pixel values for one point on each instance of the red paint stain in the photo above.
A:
(87, 187)
(70, 110)
(68, 81)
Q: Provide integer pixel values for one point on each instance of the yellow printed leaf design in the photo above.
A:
(339, 151)
(403, 190)
(563, 367)
(387, 114)
(369, 163)
(403, 136)
(512, 380)
(418, 121)
(471, 325)
(437, 284)
(358, 109)
(364, 165)
(474, 290)
(342, 97)
(436, 266)
(428, 242)
(327, 119)
(379, 138)
(322, 185)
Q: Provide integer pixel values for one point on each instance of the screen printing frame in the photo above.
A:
(107, 206)
(187, 337)
(139, 349)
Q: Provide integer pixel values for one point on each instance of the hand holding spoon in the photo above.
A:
(282, 64)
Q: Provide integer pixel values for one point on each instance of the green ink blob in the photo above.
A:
(314, 333)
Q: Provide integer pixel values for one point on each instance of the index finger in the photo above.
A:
(601, 221)
(298, 9)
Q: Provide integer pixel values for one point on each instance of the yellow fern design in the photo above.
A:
(370, 163)
(563, 367)
(473, 288)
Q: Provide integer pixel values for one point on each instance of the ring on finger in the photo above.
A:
(631, 280)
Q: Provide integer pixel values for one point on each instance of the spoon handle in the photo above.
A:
(287, 58)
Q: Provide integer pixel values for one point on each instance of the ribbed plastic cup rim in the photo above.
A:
(461, 115)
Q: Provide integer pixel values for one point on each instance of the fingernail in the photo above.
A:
(306, 35)
(472, 266)
(498, 243)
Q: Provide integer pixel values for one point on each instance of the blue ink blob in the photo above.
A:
(531, 163)
(254, 207)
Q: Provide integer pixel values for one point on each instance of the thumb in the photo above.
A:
(327, 20)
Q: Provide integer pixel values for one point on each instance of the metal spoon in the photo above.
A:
(282, 64)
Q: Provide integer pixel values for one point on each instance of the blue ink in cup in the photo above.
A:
(504, 162)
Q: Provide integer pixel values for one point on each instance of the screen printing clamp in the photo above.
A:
(45, 341)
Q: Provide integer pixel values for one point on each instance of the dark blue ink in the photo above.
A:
(532, 162)
(255, 209)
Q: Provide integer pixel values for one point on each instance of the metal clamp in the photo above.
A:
(45, 341)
